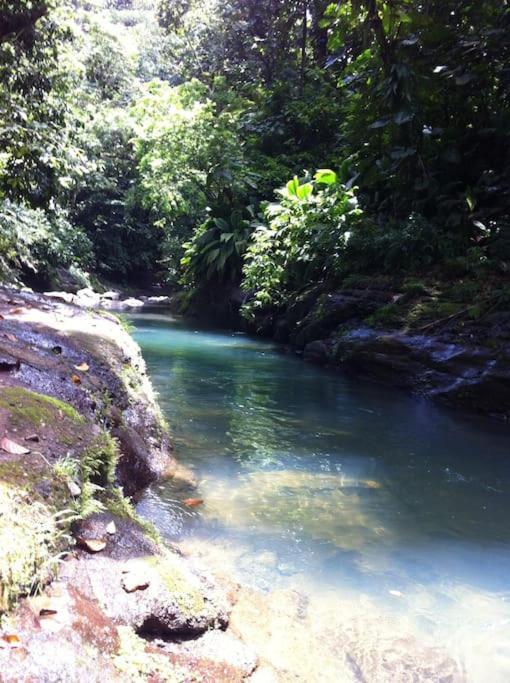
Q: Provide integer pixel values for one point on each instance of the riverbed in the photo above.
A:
(382, 518)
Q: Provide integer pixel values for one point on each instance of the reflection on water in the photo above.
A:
(325, 485)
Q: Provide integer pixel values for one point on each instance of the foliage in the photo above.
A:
(216, 250)
(304, 238)
(161, 128)
(190, 160)
(35, 242)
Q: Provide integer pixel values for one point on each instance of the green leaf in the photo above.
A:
(304, 191)
(292, 186)
(325, 176)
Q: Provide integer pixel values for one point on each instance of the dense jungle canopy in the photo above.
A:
(263, 143)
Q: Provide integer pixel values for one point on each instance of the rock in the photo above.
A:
(55, 633)
(317, 352)
(158, 300)
(87, 298)
(63, 296)
(177, 599)
(111, 295)
(215, 656)
(131, 302)
(91, 534)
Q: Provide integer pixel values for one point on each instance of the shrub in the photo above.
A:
(34, 242)
(303, 240)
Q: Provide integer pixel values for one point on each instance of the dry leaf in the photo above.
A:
(95, 545)
(74, 489)
(12, 447)
(76, 379)
(15, 311)
(11, 337)
(1, 317)
(83, 367)
(111, 528)
(193, 502)
(134, 581)
(11, 638)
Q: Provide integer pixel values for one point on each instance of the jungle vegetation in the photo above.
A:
(263, 143)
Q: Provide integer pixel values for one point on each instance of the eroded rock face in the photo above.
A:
(90, 362)
(445, 367)
(459, 361)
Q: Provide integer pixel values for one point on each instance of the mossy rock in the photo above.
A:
(27, 408)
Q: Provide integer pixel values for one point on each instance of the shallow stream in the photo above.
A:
(378, 508)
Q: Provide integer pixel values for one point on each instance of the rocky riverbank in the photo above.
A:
(88, 591)
(448, 342)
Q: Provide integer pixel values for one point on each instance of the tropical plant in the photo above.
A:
(302, 240)
(216, 250)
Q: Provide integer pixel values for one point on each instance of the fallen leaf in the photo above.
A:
(74, 489)
(95, 545)
(15, 311)
(193, 502)
(1, 317)
(76, 379)
(134, 581)
(83, 367)
(111, 528)
(12, 447)
(11, 638)
(44, 605)
(47, 612)
(11, 337)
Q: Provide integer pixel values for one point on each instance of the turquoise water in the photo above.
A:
(315, 480)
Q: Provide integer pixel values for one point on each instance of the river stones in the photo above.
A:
(139, 584)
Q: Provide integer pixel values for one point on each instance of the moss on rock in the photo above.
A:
(27, 408)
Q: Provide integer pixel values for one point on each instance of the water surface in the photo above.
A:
(338, 487)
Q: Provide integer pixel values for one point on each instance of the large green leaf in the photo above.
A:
(326, 176)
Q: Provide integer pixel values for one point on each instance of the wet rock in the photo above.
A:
(466, 375)
(111, 295)
(159, 300)
(216, 656)
(317, 352)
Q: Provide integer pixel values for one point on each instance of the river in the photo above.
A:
(385, 516)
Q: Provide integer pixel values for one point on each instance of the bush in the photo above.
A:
(34, 242)
(410, 246)
(304, 239)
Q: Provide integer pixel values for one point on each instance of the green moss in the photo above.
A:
(120, 506)
(428, 311)
(27, 407)
(189, 599)
(386, 316)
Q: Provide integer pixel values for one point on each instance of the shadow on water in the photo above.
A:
(338, 485)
